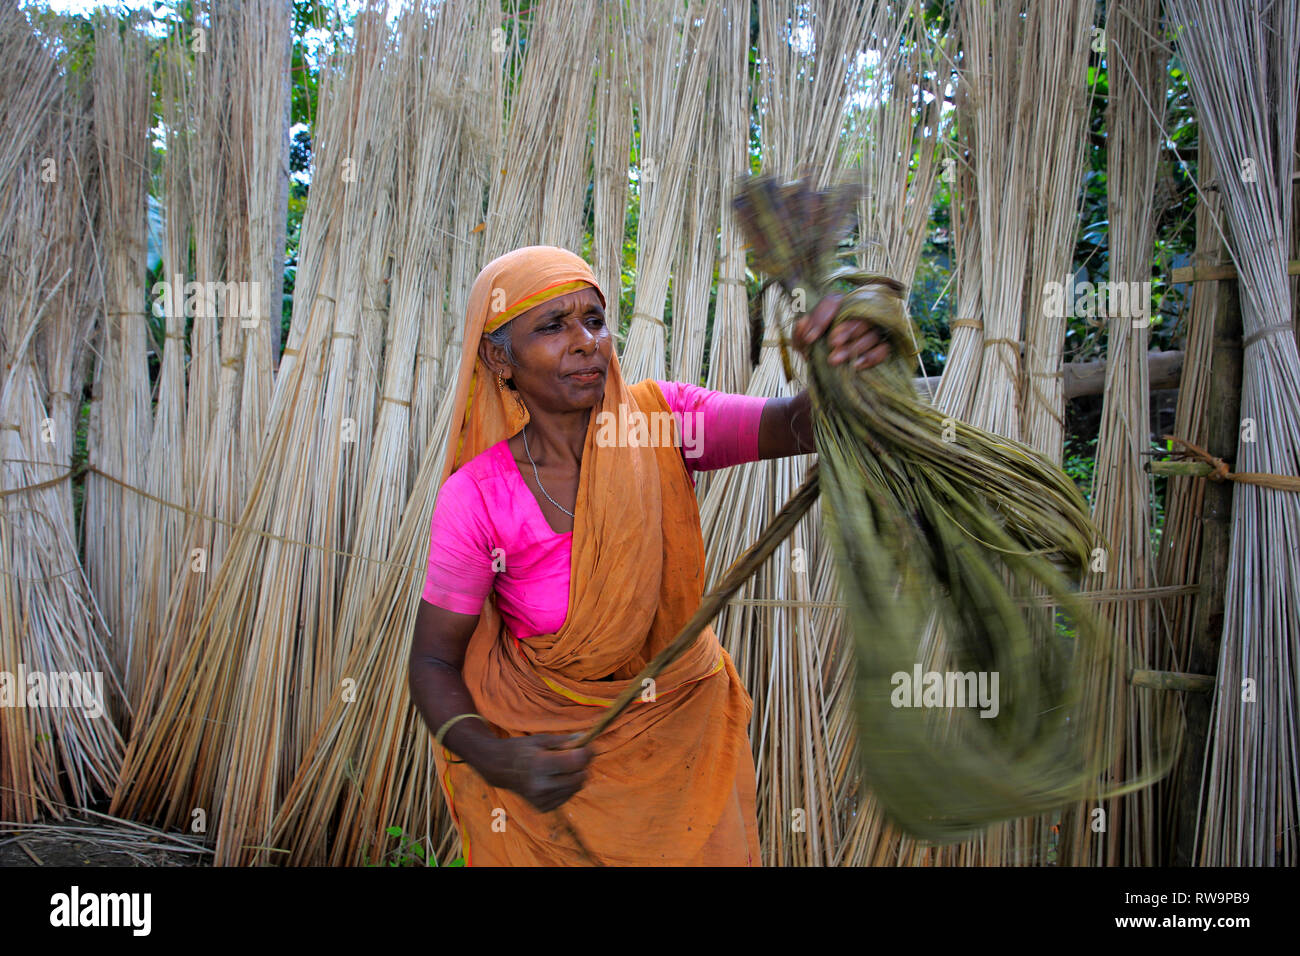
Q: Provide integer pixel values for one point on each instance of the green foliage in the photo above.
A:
(304, 99)
(74, 36)
(80, 456)
(304, 86)
(933, 289)
(408, 852)
(1080, 461)
(1159, 496)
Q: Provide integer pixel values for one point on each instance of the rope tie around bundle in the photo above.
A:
(1267, 330)
(1220, 471)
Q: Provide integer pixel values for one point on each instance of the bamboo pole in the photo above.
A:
(1081, 379)
(1169, 680)
(1223, 424)
(1214, 273)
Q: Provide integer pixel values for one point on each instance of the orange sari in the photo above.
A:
(672, 779)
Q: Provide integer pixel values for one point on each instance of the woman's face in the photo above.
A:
(551, 342)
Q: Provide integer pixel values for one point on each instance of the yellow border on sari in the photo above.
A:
(537, 298)
(447, 756)
(605, 701)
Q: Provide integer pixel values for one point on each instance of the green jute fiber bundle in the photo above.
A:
(928, 515)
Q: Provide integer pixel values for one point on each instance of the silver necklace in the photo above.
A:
(539, 479)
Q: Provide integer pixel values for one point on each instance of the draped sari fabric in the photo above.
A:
(672, 780)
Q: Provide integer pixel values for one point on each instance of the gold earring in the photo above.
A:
(501, 385)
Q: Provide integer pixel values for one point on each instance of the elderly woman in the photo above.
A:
(564, 554)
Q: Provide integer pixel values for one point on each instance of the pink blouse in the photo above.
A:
(488, 529)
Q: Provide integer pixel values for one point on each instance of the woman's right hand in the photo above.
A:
(539, 771)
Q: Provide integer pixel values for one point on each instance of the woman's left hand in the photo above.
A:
(853, 341)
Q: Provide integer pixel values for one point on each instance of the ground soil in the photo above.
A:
(65, 846)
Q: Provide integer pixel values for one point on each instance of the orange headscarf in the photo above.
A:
(672, 779)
